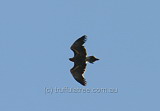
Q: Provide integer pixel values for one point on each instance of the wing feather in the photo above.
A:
(78, 73)
(78, 48)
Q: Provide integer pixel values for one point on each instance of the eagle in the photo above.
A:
(80, 60)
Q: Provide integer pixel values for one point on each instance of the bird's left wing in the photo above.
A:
(78, 48)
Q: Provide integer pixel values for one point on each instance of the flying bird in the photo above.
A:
(80, 60)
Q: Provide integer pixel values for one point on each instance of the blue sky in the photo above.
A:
(35, 39)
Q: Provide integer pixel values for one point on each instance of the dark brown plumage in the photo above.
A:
(80, 60)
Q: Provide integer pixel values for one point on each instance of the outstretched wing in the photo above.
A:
(78, 73)
(78, 48)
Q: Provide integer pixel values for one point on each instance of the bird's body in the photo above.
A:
(80, 59)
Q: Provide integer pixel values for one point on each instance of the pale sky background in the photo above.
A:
(35, 40)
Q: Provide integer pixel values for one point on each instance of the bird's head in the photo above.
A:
(71, 59)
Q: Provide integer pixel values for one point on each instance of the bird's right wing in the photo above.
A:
(78, 73)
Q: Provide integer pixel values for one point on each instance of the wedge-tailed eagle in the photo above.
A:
(80, 60)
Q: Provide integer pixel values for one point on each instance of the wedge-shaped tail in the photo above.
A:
(91, 59)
